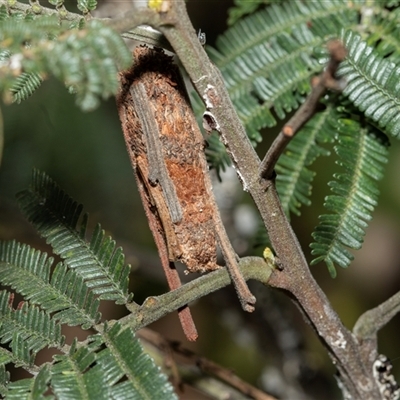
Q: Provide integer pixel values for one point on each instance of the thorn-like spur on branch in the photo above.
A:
(369, 323)
(320, 83)
(190, 363)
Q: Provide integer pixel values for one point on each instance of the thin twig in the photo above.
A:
(205, 365)
(305, 111)
(155, 308)
(369, 323)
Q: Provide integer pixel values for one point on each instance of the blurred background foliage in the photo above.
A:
(85, 154)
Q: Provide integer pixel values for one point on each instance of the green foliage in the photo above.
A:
(245, 7)
(65, 295)
(268, 58)
(86, 57)
(124, 357)
(294, 178)
(74, 375)
(87, 5)
(24, 86)
(108, 365)
(57, 218)
(392, 3)
(4, 379)
(362, 153)
(34, 388)
(27, 329)
(384, 35)
(372, 83)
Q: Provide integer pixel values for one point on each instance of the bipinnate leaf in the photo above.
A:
(294, 177)
(124, 356)
(362, 152)
(31, 388)
(268, 58)
(62, 293)
(57, 218)
(372, 83)
(85, 56)
(27, 328)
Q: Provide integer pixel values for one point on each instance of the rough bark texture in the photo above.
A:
(189, 237)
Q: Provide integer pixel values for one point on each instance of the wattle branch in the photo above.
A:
(354, 363)
(155, 308)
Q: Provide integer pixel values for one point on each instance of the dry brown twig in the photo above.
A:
(306, 111)
(174, 351)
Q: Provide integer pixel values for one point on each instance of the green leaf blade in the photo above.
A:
(294, 179)
(362, 154)
(56, 216)
(27, 328)
(267, 59)
(28, 272)
(144, 378)
(372, 83)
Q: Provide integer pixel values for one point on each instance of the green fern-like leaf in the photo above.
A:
(74, 375)
(294, 178)
(57, 3)
(4, 14)
(245, 7)
(362, 154)
(125, 357)
(66, 295)
(385, 34)
(267, 59)
(4, 380)
(87, 5)
(27, 328)
(33, 388)
(121, 370)
(24, 86)
(55, 215)
(372, 83)
(87, 59)
(6, 357)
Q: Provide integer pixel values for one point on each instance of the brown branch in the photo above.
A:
(172, 350)
(353, 364)
(305, 111)
(353, 360)
(369, 323)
